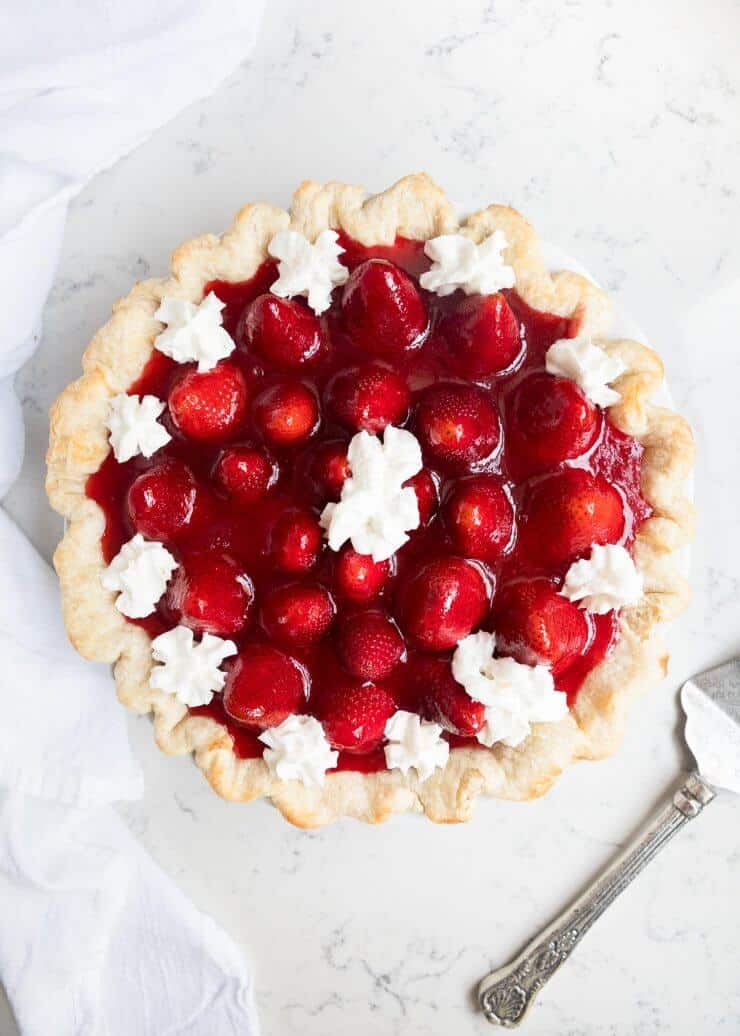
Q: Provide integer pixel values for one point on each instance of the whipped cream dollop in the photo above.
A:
(133, 426)
(458, 262)
(139, 574)
(297, 750)
(375, 511)
(415, 743)
(607, 579)
(515, 695)
(311, 270)
(188, 670)
(194, 332)
(586, 363)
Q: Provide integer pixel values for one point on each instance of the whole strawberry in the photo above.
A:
(566, 513)
(209, 407)
(383, 310)
(264, 686)
(354, 713)
(443, 600)
(536, 626)
(370, 645)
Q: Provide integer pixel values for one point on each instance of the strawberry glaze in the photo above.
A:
(245, 531)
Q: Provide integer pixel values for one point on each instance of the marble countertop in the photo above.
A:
(614, 127)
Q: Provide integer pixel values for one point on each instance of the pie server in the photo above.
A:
(711, 702)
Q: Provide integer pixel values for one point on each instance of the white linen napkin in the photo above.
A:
(94, 938)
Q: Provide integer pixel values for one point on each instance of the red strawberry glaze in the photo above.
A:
(310, 474)
(370, 762)
(246, 743)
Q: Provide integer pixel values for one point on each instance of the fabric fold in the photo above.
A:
(95, 938)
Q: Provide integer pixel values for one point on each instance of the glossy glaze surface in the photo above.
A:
(245, 532)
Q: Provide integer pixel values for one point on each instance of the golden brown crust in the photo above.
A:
(414, 207)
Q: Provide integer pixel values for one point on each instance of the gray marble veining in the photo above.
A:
(614, 127)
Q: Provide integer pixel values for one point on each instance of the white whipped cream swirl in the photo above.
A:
(515, 695)
(606, 580)
(375, 511)
(458, 262)
(297, 750)
(133, 426)
(139, 574)
(188, 670)
(194, 333)
(311, 270)
(415, 743)
(588, 365)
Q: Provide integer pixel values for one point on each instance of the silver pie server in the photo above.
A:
(711, 702)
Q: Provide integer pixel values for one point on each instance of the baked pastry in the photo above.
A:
(366, 508)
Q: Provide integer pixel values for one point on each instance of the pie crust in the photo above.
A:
(415, 207)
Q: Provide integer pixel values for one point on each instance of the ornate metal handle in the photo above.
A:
(506, 995)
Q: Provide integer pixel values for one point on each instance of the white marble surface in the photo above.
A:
(615, 128)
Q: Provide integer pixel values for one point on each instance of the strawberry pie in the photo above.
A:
(367, 508)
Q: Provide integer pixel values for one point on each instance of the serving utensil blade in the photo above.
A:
(711, 701)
